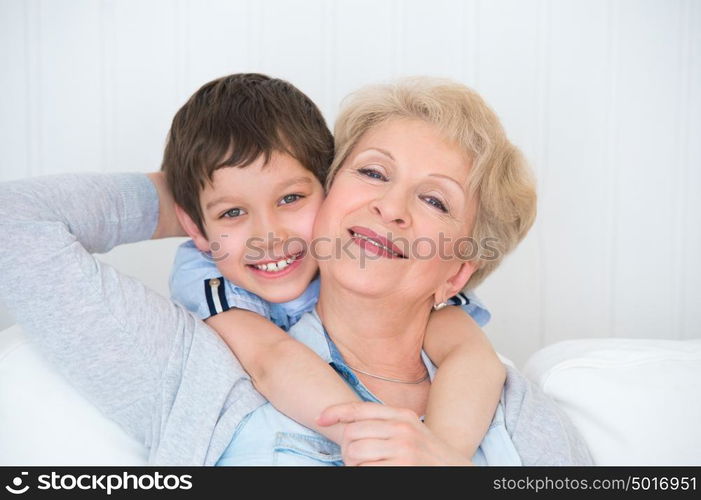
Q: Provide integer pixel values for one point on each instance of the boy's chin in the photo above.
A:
(280, 296)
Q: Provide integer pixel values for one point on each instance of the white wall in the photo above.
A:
(604, 97)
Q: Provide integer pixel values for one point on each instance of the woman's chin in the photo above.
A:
(368, 279)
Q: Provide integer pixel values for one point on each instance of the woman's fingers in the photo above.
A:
(353, 412)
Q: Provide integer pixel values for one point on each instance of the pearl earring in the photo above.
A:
(439, 306)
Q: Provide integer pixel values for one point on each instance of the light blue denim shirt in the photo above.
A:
(194, 272)
(268, 437)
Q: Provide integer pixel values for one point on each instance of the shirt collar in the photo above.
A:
(303, 303)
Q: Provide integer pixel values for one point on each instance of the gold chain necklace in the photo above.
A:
(379, 377)
(387, 379)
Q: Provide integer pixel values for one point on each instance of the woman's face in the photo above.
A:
(395, 213)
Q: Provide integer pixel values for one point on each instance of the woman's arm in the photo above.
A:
(541, 432)
(114, 338)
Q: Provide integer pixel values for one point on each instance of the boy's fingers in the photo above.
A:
(368, 450)
(376, 463)
(352, 412)
(367, 429)
(344, 412)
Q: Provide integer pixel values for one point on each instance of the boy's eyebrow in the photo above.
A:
(217, 201)
(281, 185)
(296, 180)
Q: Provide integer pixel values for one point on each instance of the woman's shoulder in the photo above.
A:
(542, 433)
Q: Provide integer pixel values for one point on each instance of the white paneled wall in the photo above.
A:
(604, 97)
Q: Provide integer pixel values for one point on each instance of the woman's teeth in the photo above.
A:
(272, 267)
(379, 245)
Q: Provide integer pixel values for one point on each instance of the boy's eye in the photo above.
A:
(290, 198)
(372, 173)
(435, 202)
(233, 213)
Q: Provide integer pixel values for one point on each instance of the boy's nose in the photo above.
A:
(269, 233)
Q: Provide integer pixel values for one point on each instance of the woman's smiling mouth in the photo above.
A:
(374, 243)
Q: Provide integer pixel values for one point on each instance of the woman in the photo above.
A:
(172, 383)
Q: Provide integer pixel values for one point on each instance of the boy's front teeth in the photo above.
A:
(275, 266)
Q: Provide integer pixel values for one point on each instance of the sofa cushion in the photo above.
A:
(635, 401)
(44, 421)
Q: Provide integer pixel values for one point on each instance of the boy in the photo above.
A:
(246, 160)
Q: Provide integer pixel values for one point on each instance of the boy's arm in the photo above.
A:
(289, 374)
(468, 384)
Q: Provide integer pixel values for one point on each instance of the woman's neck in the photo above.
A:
(382, 336)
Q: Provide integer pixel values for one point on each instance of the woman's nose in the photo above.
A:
(392, 207)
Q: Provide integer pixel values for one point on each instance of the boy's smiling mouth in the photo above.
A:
(276, 268)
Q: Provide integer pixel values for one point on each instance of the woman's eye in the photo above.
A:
(233, 213)
(372, 173)
(433, 201)
(290, 198)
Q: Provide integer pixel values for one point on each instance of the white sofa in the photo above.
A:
(636, 402)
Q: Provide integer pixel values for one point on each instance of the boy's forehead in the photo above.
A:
(256, 179)
(279, 167)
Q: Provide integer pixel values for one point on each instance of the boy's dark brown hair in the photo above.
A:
(230, 122)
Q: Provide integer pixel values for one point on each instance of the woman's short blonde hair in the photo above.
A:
(500, 177)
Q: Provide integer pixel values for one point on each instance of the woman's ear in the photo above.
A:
(456, 282)
(191, 229)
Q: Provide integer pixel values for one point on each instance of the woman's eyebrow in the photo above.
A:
(389, 155)
(462, 188)
(381, 151)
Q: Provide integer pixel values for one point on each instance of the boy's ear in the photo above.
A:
(191, 229)
(456, 282)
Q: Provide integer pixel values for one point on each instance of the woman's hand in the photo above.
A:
(377, 434)
(168, 224)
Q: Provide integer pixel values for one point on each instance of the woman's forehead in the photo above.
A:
(416, 143)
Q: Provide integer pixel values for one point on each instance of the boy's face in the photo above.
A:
(259, 222)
